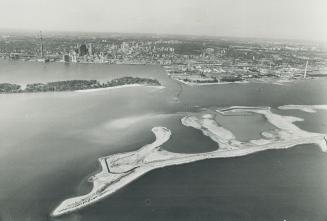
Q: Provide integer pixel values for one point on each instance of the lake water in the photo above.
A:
(50, 142)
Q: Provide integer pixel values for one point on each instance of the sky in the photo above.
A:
(284, 19)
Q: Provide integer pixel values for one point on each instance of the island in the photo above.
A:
(76, 85)
(118, 170)
(10, 88)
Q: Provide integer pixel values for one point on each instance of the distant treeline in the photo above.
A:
(72, 85)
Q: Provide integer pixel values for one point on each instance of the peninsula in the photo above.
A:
(118, 170)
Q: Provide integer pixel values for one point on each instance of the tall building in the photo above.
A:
(82, 50)
(66, 58)
(41, 46)
(90, 49)
(305, 70)
(124, 46)
(73, 57)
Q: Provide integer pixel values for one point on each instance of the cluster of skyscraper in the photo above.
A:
(81, 50)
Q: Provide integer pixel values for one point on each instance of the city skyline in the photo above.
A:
(289, 19)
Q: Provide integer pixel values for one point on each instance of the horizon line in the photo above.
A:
(283, 39)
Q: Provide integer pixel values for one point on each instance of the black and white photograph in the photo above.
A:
(163, 110)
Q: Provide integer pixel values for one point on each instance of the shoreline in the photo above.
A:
(118, 170)
(208, 84)
(281, 82)
(119, 87)
(159, 87)
(161, 134)
(77, 85)
(304, 108)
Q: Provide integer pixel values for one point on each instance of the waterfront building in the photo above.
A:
(66, 58)
(82, 50)
(90, 49)
(73, 56)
